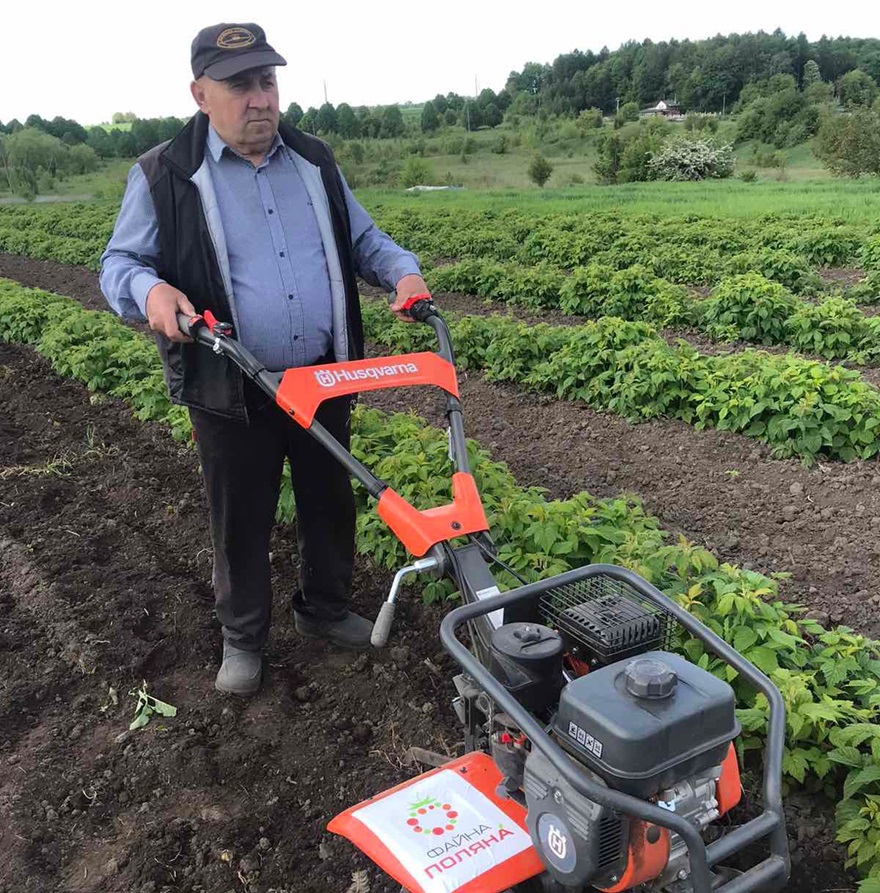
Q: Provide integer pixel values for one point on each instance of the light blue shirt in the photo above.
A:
(278, 268)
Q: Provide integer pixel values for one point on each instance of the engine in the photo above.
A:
(656, 727)
(638, 718)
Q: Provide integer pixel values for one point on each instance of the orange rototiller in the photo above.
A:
(595, 757)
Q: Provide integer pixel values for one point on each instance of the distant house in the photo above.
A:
(664, 109)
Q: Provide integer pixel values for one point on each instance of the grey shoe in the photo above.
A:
(240, 672)
(352, 632)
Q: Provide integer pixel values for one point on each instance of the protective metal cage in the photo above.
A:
(603, 620)
(574, 588)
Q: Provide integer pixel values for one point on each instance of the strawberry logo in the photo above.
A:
(432, 816)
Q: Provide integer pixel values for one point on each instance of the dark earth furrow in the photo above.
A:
(104, 583)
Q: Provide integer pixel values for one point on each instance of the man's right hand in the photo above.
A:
(164, 302)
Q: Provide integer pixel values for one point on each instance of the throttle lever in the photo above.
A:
(419, 307)
(216, 326)
(189, 325)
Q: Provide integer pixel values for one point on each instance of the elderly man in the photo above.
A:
(253, 220)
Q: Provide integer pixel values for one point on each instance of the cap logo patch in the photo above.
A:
(235, 39)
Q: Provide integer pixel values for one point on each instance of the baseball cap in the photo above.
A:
(221, 51)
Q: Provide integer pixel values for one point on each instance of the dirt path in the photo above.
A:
(722, 490)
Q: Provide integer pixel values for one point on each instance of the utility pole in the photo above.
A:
(724, 104)
(325, 92)
(617, 99)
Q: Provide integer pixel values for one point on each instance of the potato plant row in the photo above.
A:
(751, 304)
(67, 233)
(799, 407)
(745, 307)
(689, 250)
(828, 678)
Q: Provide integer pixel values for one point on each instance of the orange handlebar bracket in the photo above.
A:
(303, 389)
(419, 531)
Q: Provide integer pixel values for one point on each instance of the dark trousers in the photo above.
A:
(242, 466)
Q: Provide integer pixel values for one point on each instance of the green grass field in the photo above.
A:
(572, 155)
(491, 178)
(108, 182)
(849, 200)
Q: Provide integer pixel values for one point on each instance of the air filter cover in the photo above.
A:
(603, 620)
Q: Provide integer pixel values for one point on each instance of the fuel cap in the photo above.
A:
(650, 678)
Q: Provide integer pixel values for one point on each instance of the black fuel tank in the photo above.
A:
(644, 724)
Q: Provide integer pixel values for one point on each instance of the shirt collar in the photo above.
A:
(216, 144)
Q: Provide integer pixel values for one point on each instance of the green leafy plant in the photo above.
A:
(776, 265)
(870, 254)
(754, 306)
(147, 707)
(834, 328)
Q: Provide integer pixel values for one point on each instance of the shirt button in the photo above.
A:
(290, 297)
(281, 253)
(271, 211)
(296, 337)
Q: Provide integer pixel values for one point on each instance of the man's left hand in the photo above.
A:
(408, 287)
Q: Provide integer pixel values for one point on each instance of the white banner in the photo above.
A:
(444, 831)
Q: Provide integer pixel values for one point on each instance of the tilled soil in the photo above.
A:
(819, 524)
(105, 581)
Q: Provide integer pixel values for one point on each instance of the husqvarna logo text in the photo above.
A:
(327, 378)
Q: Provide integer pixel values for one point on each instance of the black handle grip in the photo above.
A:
(187, 323)
(421, 310)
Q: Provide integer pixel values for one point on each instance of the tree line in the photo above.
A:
(114, 142)
(470, 113)
(783, 90)
(704, 75)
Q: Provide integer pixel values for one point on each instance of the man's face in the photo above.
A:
(243, 108)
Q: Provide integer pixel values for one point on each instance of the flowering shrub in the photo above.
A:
(692, 160)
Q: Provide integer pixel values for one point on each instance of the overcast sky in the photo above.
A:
(88, 59)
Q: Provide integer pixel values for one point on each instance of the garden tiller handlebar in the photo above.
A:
(300, 391)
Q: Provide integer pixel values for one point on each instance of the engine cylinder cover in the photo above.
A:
(645, 724)
(579, 841)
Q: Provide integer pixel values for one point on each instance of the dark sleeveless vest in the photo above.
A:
(195, 376)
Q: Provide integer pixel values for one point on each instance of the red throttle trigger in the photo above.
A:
(408, 304)
(214, 324)
(422, 304)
